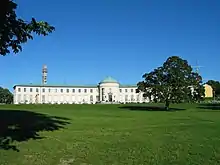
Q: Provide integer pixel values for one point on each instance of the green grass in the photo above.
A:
(108, 134)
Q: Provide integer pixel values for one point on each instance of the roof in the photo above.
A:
(128, 86)
(62, 86)
(69, 86)
(109, 79)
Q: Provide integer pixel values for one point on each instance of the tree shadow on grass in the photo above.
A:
(149, 108)
(21, 125)
(210, 106)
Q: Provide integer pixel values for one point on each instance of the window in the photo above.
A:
(61, 90)
(50, 99)
(85, 90)
(132, 97)
(43, 90)
(73, 91)
(37, 90)
(19, 98)
(55, 98)
(91, 90)
(25, 99)
(132, 90)
(31, 89)
(19, 89)
(137, 98)
(126, 98)
(43, 98)
(49, 90)
(55, 90)
(67, 90)
(73, 98)
(120, 90)
(103, 90)
(91, 98)
(31, 99)
(126, 90)
(79, 90)
(24, 89)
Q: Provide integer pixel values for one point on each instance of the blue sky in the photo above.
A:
(120, 38)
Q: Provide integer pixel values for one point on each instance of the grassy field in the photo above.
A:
(109, 134)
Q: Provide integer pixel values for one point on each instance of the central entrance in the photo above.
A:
(110, 97)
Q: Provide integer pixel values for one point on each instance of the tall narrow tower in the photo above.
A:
(197, 67)
(44, 75)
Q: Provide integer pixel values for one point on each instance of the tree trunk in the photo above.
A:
(167, 104)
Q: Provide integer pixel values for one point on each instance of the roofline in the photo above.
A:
(108, 82)
(69, 86)
(64, 86)
(75, 86)
(127, 86)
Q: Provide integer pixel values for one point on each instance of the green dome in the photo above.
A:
(109, 80)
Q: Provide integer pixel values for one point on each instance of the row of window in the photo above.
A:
(126, 90)
(65, 90)
(56, 90)
(33, 99)
(127, 97)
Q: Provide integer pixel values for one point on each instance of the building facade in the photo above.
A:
(107, 91)
(208, 91)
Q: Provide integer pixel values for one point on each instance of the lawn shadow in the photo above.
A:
(149, 108)
(210, 106)
(22, 125)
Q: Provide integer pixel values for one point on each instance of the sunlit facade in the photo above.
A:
(107, 91)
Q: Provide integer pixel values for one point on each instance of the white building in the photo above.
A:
(107, 91)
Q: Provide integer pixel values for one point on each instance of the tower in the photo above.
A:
(197, 67)
(197, 70)
(44, 75)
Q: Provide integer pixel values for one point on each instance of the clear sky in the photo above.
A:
(120, 38)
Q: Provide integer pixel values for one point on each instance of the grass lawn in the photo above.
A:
(109, 134)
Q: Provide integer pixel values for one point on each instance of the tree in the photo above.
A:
(173, 82)
(215, 86)
(14, 31)
(6, 97)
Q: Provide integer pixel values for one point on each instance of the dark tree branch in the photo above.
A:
(15, 31)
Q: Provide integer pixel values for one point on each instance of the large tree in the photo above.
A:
(15, 31)
(215, 86)
(6, 97)
(173, 82)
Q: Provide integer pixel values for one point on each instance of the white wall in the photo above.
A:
(54, 95)
(106, 89)
(66, 95)
(128, 94)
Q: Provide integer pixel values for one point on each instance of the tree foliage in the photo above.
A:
(15, 31)
(173, 82)
(6, 97)
(215, 86)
